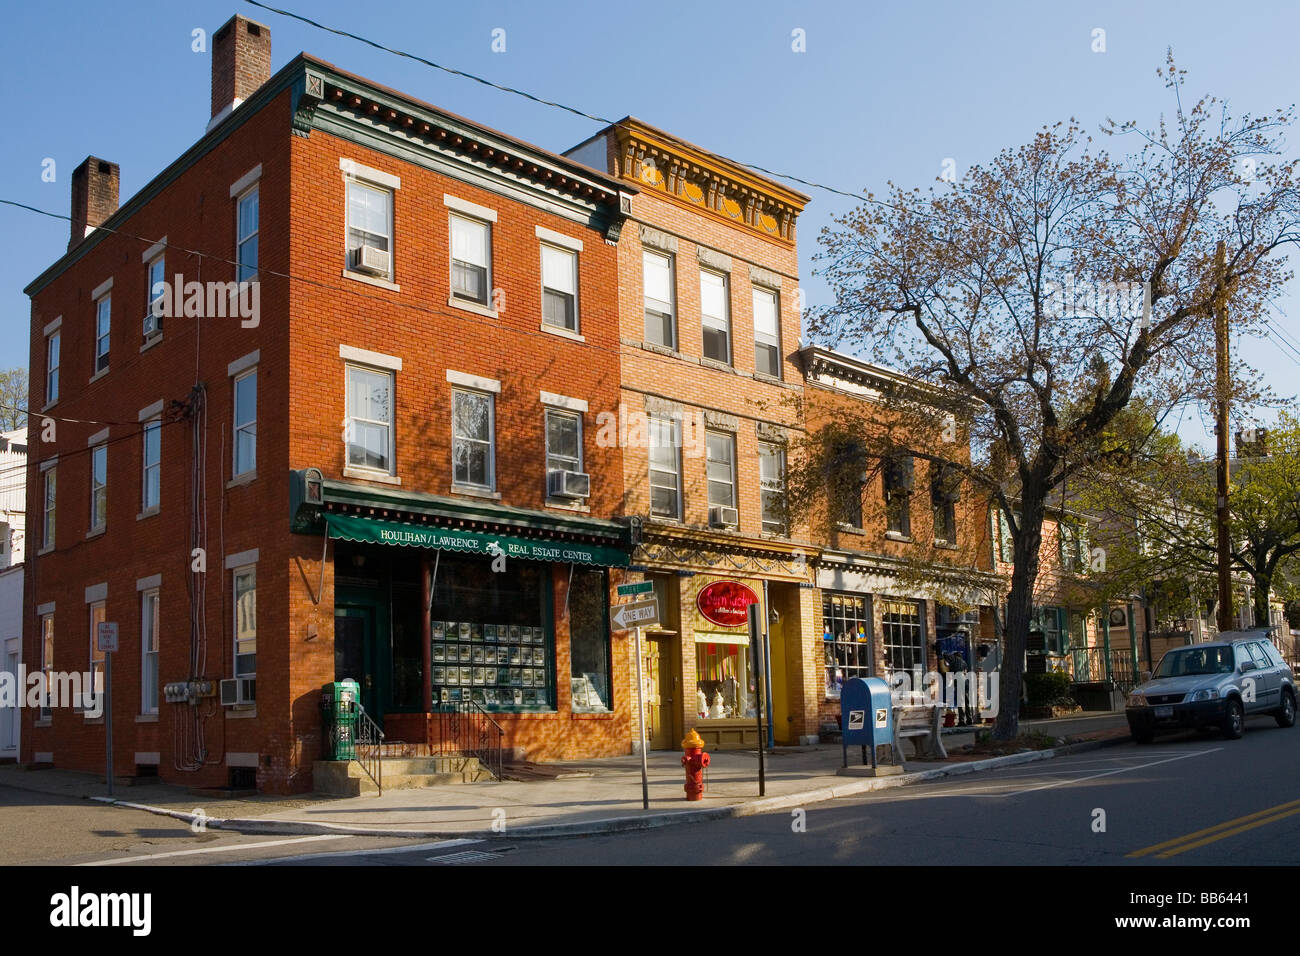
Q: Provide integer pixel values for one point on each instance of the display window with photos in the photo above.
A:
(846, 639)
(724, 687)
(902, 626)
(490, 643)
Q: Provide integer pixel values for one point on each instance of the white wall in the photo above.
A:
(13, 501)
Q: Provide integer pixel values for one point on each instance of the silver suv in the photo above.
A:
(1213, 685)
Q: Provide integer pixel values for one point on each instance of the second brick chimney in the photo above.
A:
(95, 185)
(241, 62)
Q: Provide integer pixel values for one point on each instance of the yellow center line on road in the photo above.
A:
(1219, 831)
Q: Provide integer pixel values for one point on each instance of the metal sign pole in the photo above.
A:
(756, 642)
(108, 714)
(640, 702)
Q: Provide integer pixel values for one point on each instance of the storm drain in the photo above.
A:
(465, 857)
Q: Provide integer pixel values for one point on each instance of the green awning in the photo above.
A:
(377, 531)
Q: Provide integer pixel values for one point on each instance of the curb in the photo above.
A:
(652, 821)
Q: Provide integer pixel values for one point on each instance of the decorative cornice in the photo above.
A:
(658, 162)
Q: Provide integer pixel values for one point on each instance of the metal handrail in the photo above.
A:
(368, 748)
(464, 728)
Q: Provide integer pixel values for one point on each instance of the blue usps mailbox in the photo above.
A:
(866, 717)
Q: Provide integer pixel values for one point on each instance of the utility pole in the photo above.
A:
(1222, 390)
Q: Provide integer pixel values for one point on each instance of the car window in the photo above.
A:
(1197, 660)
(1258, 655)
(1273, 653)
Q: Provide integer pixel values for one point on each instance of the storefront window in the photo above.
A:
(724, 678)
(955, 631)
(490, 642)
(589, 643)
(904, 639)
(846, 639)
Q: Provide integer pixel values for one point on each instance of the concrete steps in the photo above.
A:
(345, 778)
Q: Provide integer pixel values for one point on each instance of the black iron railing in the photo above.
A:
(465, 729)
(1092, 664)
(368, 747)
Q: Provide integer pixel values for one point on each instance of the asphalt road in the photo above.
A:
(1187, 799)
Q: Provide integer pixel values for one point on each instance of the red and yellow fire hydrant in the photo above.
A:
(694, 760)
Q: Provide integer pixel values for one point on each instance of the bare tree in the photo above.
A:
(13, 399)
(1056, 285)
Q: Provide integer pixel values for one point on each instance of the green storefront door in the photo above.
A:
(356, 653)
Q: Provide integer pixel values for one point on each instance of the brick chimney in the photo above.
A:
(241, 62)
(94, 196)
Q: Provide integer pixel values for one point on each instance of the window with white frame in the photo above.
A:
(560, 288)
(245, 443)
(52, 344)
(771, 482)
(369, 432)
(47, 518)
(246, 232)
(149, 651)
(472, 439)
(665, 468)
(97, 617)
(155, 293)
(715, 316)
(103, 321)
(897, 480)
(660, 314)
(471, 259)
(151, 477)
(767, 332)
(47, 659)
(720, 453)
(563, 440)
(245, 587)
(98, 487)
(902, 623)
(370, 221)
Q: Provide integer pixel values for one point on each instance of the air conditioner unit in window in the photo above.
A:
(152, 323)
(568, 484)
(723, 517)
(241, 690)
(370, 260)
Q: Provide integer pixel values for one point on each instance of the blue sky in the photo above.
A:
(883, 91)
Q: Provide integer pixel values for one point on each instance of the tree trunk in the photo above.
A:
(1263, 584)
(1020, 610)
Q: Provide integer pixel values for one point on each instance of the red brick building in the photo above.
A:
(375, 459)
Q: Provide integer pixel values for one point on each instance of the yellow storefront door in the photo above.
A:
(660, 694)
(782, 728)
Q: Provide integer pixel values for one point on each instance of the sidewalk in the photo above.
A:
(575, 797)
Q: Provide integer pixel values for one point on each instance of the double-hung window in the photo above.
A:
(472, 439)
(370, 226)
(897, 481)
(149, 651)
(245, 586)
(471, 259)
(720, 451)
(560, 288)
(103, 320)
(903, 625)
(246, 423)
(767, 332)
(47, 660)
(246, 230)
(156, 295)
(151, 475)
(47, 517)
(715, 316)
(660, 318)
(665, 468)
(369, 431)
(771, 482)
(945, 491)
(98, 487)
(52, 368)
(563, 441)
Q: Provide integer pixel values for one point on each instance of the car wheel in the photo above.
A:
(1234, 723)
(1285, 715)
(1142, 736)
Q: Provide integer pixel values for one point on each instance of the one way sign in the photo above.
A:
(635, 614)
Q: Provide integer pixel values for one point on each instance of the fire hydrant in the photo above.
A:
(694, 760)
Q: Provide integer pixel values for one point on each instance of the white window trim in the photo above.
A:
(242, 184)
(152, 582)
(235, 571)
(98, 438)
(50, 336)
(726, 319)
(96, 592)
(49, 463)
(243, 363)
(46, 608)
(675, 426)
(241, 559)
(563, 401)
(471, 209)
(148, 509)
(248, 189)
(735, 491)
(554, 238)
(53, 326)
(365, 357)
(474, 382)
(491, 486)
(101, 290)
(672, 290)
(350, 470)
(576, 331)
(351, 169)
(567, 413)
(144, 594)
(483, 308)
(98, 300)
(154, 251)
(94, 446)
(150, 411)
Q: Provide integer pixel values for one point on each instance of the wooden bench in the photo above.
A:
(921, 723)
